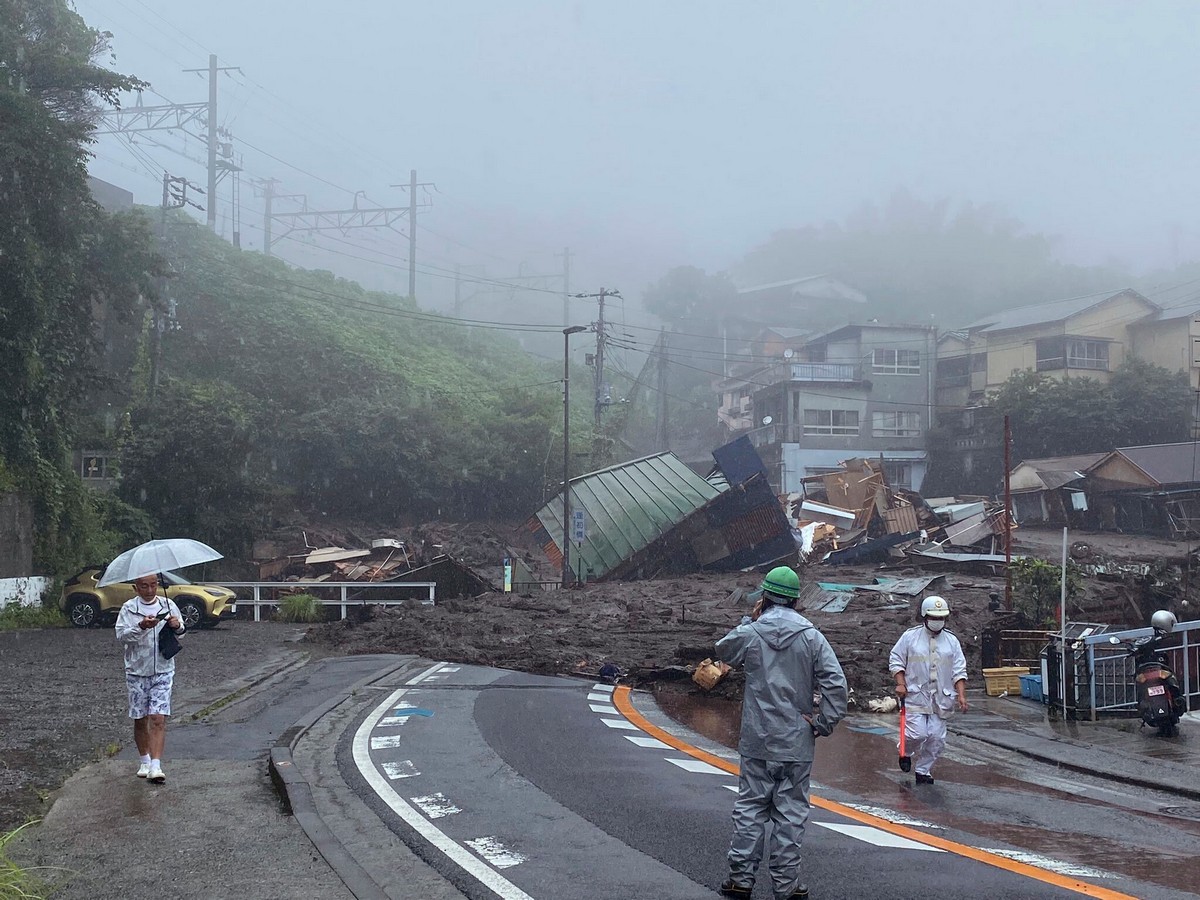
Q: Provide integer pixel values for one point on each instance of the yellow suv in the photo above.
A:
(202, 605)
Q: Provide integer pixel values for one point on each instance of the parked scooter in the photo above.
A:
(1160, 700)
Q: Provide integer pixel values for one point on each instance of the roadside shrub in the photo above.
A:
(17, 881)
(1037, 589)
(15, 616)
(300, 608)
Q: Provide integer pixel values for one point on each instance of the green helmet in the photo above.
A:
(782, 581)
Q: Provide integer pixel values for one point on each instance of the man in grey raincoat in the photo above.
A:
(795, 692)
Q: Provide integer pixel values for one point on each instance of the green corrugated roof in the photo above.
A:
(628, 506)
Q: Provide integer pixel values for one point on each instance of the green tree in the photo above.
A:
(690, 295)
(1151, 405)
(61, 257)
(1142, 404)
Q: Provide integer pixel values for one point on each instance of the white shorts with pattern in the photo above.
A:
(149, 695)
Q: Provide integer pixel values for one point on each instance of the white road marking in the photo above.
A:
(696, 765)
(1051, 865)
(428, 673)
(462, 857)
(393, 721)
(890, 815)
(600, 698)
(402, 769)
(604, 708)
(495, 852)
(620, 723)
(451, 668)
(877, 837)
(647, 741)
(606, 688)
(730, 787)
(385, 741)
(436, 805)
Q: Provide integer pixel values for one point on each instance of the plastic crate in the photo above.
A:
(1004, 680)
(1031, 687)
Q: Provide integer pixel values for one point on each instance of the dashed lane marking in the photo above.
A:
(624, 724)
(652, 743)
(385, 741)
(436, 806)
(695, 765)
(1052, 865)
(890, 815)
(605, 709)
(402, 769)
(877, 836)
(495, 852)
(604, 688)
(599, 698)
(459, 855)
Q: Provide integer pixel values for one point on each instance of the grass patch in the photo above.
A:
(300, 608)
(15, 616)
(18, 882)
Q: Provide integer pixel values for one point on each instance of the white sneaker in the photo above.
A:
(157, 776)
(144, 770)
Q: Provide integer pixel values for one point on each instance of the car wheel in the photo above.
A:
(83, 611)
(192, 611)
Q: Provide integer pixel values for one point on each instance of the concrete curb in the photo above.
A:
(296, 793)
(1044, 756)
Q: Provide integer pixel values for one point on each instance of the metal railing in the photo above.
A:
(346, 593)
(1111, 668)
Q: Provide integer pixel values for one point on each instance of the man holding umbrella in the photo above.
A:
(148, 674)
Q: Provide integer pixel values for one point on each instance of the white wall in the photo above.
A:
(23, 591)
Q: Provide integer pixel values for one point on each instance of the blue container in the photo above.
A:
(1031, 687)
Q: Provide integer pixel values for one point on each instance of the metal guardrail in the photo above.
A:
(1111, 669)
(274, 591)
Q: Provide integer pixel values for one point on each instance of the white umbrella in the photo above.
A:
(153, 557)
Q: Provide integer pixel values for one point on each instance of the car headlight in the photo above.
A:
(216, 593)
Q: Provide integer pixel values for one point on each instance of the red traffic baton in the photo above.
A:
(905, 759)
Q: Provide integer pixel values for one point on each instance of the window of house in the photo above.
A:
(1087, 354)
(896, 362)
(953, 372)
(899, 474)
(816, 353)
(1071, 353)
(94, 466)
(1051, 354)
(896, 424)
(979, 362)
(831, 421)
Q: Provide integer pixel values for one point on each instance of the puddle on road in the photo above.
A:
(863, 762)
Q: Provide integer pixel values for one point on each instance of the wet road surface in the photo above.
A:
(1078, 822)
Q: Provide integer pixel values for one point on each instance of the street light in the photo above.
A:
(566, 544)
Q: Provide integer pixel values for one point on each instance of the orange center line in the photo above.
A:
(621, 699)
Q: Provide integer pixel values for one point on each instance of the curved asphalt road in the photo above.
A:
(519, 786)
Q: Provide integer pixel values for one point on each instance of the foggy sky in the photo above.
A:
(647, 134)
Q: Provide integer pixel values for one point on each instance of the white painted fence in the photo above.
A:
(348, 593)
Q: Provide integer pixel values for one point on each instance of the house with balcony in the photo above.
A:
(856, 391)
(1087, 336)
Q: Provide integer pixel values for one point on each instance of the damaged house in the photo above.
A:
(1151, 489)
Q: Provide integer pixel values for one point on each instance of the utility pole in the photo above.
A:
(174, 196)
(457, 291)
(566, 277)
(601, 338)
(213, 165)
(661, 439)
(1008, 599)
(412, 186)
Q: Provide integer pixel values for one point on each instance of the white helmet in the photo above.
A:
(935, 607)
(1163, 621)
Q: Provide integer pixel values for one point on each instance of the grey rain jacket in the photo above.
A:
(786, 659)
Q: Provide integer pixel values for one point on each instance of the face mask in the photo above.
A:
(935, 625)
